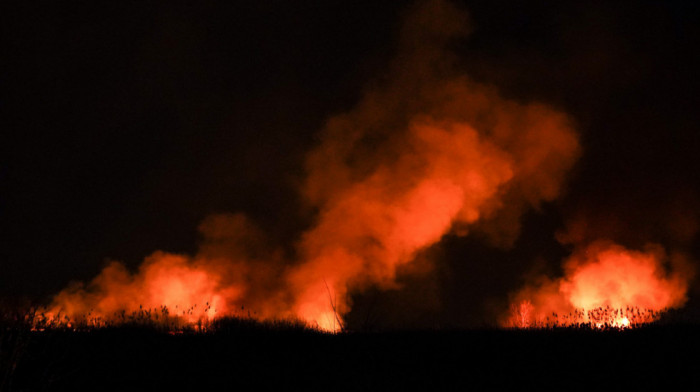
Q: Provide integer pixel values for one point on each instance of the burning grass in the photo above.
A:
(160, 320)
(600, 318)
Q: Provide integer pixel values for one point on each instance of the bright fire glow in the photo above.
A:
(605, 286)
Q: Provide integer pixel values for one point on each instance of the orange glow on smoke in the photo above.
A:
(167, 286)
(605, 285)
(424, 153)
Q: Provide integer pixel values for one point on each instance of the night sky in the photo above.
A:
(124, 124)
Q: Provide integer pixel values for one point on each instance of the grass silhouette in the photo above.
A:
(242, 353)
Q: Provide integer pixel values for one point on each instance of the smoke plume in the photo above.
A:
(426, 152)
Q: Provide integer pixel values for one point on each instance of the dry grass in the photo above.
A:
(601, 318)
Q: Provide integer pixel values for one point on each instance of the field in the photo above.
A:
(242, 354)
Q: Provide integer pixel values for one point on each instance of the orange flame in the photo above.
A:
(166, 285)
(605, 285)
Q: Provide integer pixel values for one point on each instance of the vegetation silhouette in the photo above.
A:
(240, 352)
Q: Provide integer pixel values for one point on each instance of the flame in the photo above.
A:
(605, 286)
(166, 285)
(424, 153)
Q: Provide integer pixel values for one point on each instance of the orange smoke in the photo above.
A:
(604, 285)
(427, 151)
(166, 285)
(169, 287)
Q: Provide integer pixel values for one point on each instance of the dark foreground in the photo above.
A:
(244, 357)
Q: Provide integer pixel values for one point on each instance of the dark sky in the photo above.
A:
(124, 124)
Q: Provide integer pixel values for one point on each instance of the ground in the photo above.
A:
(243, 356)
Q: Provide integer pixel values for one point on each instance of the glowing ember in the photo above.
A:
(605, 286)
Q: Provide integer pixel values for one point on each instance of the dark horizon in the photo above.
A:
(126, 125)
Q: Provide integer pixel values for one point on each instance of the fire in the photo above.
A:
(166, 286)
(426, 152)
(605, 286)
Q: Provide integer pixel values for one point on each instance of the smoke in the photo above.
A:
(605, 283)
(426, 152)
(630, 251)
(231, 268)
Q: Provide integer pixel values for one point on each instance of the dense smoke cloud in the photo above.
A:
(425, 152)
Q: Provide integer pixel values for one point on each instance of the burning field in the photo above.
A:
(348, 195)
(426, 152)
